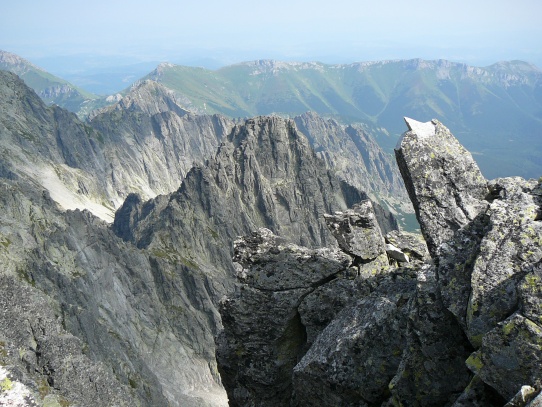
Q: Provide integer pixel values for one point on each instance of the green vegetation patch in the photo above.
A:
(6, 384)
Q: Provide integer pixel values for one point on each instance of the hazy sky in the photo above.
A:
(333, 31)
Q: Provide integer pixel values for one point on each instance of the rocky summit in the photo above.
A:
(381, 321)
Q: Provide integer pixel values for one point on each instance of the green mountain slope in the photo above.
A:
(52, 89)
(496, 111)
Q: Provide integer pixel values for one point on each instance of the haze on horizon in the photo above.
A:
(64, 35)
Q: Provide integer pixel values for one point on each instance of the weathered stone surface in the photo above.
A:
(508, 251)
(38, 353)
(353, 153)
(266, 264)
(478, 394)
(412, 244)
(357, 354)
(319, 307)
(523, 397)
(510, 356)
(263, 337)
(455, 264)
(260, 346)
(468, 333)
(357, 231)
(396, 253)
(432, 370)
(443, 181)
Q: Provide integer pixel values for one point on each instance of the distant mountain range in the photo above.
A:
(496, 111)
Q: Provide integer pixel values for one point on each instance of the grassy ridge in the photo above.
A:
(52, 89)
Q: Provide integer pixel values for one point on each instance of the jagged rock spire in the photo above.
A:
(443, 181)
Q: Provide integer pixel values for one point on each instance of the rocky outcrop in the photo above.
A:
(264, 175)
(461, 329)
(281, 353)
(443, 181)
(139, 300)
(354, 155)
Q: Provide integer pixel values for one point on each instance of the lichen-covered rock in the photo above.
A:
(478, 394)
(263, 337)
(354, 358)
(432, 370)
(523, 397)
(357, 231)
(268, 263)
(509, 249)
(443, 181)
(286, 296)
(319, 307)
(510, 356)
(411, 244)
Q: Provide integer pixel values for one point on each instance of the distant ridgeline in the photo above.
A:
(495, 111)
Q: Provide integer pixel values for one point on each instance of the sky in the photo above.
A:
(76, 34)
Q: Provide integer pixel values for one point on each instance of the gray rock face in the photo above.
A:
(411, 244)
(354, 358)
(142, 310)
(118, 318)
(355, 156)
(463, 329)
(263, 175)
(258, 356)
(144, 144)
(444, 183)
(257, 353)
(357, 232)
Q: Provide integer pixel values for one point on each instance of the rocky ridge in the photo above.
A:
(133, 311)
(494, 110)
(349, 326)
(144, 144)
(264, 175)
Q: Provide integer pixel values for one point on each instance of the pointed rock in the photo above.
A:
(443, 181)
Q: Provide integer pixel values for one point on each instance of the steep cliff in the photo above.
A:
(145, 144)
(82, 305)
(355, 156)
(151, 142)
(462, 329)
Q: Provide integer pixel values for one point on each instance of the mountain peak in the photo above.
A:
(18, 65)
(263, 66)
(150, 97)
